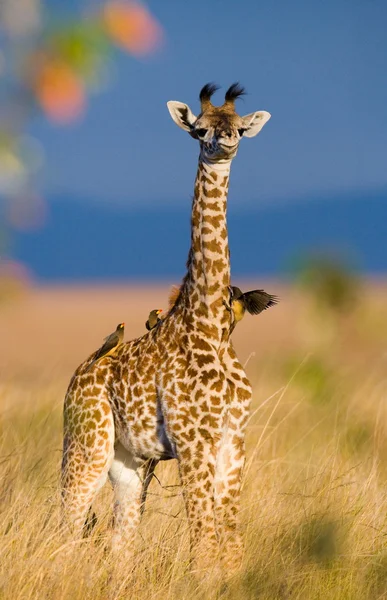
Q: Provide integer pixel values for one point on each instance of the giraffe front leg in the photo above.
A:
(130, 478)
(229, 465)
(229, 468)
(194, 419)
(196, 427)
(197, 470)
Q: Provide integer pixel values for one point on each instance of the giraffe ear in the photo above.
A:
(181, 114)
(254, 122)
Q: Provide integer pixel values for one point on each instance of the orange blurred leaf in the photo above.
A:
(132, 27)
(59, 91)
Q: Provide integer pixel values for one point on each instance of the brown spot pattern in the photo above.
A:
(178, 389)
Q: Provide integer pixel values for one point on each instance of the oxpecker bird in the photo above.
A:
(110, 344)
(153, 318)
(254, 302)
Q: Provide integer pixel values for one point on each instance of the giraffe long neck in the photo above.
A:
(209, 261)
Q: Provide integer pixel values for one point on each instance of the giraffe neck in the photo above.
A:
(209, 261)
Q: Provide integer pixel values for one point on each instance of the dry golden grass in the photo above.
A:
(315, 492)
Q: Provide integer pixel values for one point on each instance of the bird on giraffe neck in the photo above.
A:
(110, 344)
(254, 302)
(153, 318)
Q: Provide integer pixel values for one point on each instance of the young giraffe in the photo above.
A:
(179, 391)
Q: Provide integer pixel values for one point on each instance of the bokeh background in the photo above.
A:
(95, 195)
(91, 164)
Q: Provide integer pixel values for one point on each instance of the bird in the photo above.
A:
(153, 318)
(254, 302)
(110, 344)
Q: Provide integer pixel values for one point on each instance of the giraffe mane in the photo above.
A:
(173, 295)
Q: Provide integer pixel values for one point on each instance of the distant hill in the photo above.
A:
(94, 241)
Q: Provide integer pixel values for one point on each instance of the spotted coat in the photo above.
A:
(178, 391)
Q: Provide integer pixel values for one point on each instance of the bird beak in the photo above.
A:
(159, 311)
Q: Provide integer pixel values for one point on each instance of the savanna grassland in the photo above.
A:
(314, 501)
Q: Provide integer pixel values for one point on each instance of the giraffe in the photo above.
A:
(179, 391)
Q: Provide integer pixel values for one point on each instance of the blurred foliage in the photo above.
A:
(52, 57)
(314, 377)
(51, 64)
(315, 539)
(329, 281)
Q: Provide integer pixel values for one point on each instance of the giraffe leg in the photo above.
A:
(229, 465)
(87, 454)
(130, 478)
(197, 470)
(196, 427)
(81, 481)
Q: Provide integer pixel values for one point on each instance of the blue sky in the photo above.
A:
(318, 66)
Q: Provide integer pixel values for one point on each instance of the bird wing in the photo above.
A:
(258, 300)
(110, 342)
(147, 325)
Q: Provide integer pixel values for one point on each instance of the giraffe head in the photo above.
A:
(219, 129)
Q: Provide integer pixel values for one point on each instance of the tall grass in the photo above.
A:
(314, 497)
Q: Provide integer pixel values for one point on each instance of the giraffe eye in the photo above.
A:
(241, 132)
(201, 132)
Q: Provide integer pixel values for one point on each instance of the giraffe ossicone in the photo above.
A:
(178, 391)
